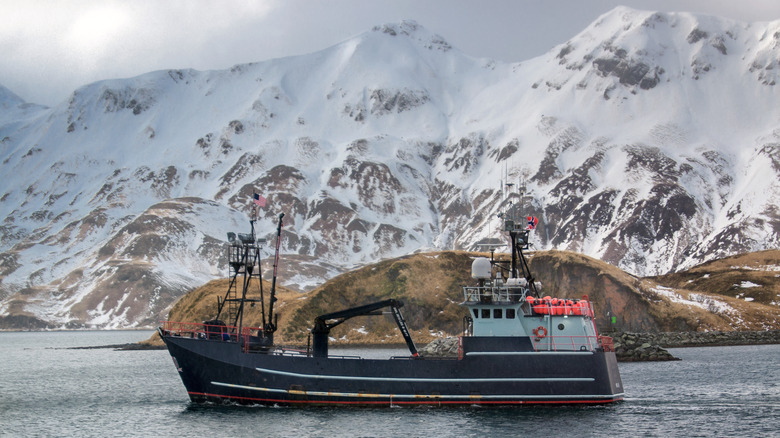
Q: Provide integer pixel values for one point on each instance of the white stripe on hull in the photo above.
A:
(421, 396)
(428, 380)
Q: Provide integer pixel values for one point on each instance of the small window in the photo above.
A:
(486, 313)
(476, 313)
(498, 313)
(510, 313)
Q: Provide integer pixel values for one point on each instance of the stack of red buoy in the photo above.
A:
(559, 306)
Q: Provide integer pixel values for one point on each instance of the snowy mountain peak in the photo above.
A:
(640, 49)
(14, 109)
(415, 32)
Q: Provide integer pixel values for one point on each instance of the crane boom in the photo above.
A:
(322, 327)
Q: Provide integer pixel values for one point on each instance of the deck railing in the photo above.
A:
(572, 343)
(225, 333)
(493, 293)
(539, 306)
(215, 332)
(190, 329)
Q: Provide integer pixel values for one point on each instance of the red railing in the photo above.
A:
(572, 343)
(183, 329)
(217, 332)
(606, 343)
(226, 333)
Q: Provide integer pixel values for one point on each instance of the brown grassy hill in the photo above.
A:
(752, 277)
(201, 304)
(430, 285)
(642, 304)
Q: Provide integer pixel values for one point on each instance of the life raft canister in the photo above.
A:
(541, 305)
(576, 308)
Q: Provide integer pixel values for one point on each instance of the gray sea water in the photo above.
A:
(49, 389)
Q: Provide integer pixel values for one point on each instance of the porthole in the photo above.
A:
(560, 326)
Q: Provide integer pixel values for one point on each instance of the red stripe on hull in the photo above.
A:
(254, 400)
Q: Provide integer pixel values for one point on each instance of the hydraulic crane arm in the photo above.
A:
(322, 325)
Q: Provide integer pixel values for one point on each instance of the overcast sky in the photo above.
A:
(51, 47)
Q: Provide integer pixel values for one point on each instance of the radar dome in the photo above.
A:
(480, 269)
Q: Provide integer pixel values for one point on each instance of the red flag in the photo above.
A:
(259, 200)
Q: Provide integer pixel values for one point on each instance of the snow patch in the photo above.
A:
(747, 284)
(767, 268)
(696, 300)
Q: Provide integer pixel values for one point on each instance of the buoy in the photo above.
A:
(540, 332)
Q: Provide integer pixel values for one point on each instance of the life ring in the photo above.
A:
(540, 332)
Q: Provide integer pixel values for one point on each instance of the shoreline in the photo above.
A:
(628, 346)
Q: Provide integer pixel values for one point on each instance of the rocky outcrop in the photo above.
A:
(441, 347)
(632, 347)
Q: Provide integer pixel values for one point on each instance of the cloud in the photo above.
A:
(52, 47)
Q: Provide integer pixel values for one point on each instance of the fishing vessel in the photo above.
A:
(518, 347)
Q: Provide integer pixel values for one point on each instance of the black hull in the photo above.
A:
(217, 371)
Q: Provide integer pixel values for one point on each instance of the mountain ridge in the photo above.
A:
(388, 143)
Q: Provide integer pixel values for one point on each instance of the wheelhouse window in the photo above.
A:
(476, 313)
(498, 313)
(486, 313)
(510, 313)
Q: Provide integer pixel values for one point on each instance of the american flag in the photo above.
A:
(259, 200)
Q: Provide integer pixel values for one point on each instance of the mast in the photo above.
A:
(244, 264)
(270, 326)
(250, 268)
(518, 236)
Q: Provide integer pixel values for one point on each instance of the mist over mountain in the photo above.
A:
(649, 140)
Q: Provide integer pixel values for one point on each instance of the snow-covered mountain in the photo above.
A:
(649, 140)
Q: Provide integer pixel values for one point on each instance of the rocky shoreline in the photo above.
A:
(706, 339)
(635, 347)
(641, 347)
